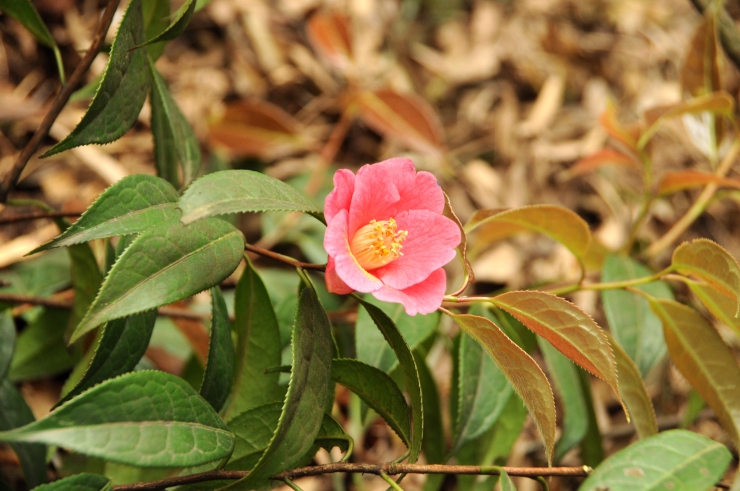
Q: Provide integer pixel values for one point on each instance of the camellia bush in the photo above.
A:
(263, 404)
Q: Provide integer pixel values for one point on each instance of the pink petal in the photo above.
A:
(341, 196)
(430, 244)
(423, 298)
(346, 266)
(333, 282)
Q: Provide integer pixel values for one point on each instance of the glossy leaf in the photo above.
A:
(7, 341)
(678, 460)
(122, 92)
(40, 350)
(378, 390)
(710, 262)
(79, 482)
(556, 222)
(220, 367)
(520, 369)
(483, 392)
(673, 182)
(166, 263)
(172, 131)
(146, 418)
(121, 346)
(566, 327)
(634, 392)
(180, 21)
(258, 346)
(410, 374)
(235, 191)
(719, 304)
(704, 359)
(637, 329)
(130, 206)
(14, 413)
(308, 392)
(606, 156)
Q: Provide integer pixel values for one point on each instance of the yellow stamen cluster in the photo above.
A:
(378, 243)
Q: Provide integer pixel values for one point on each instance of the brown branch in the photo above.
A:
(35, 216)
(377, 469)
(284, 259)
(11, 179)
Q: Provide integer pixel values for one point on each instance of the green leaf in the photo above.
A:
(132, 205)
(234, 191)
(122, 92)
(378, 390)
(331, 434)
(14, 412)
(678, 460)
(166, 263)
(180, 21)
(433, 442)
(24, 12)
(410, 374)
(40, 350)
(505, 482)
(172, 131)
(637, 329)
(220, 366)
(522, 371)
(371, 346)
(258, 346)
(79, 482)
(120, 347)
(146, 418)
(720, 305)
(156, 15)
(704, 359)
(86, 281)
(308, 391)
(7, 341)
(39, 276)
(483, 392)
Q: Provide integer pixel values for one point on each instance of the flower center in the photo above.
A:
(378, 243)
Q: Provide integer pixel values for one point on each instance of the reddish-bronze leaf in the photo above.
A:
(672, 182)
(607, 156)
(700, 72)
(627, 136)
(720, 305)
(406, 117)
(520, 369)
(556, 222)
(704, 359)
(708, 261)
(328, 34)
(252, 127)
(567, 328)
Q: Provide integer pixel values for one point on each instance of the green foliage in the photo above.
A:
(79, 482)
(7, 341)
(40, 349)
(220, 367)
(180, 20)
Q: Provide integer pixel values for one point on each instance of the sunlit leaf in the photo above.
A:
(122, 91)
(180, 21)
(710, 262)
(329, 34)
(677, 460)
(704, 359)
(14, 413)
(219, 370)
(146, 418)
(723, 307)
(606, 156)
(165, 264)
(556, 222)
(673, 182)
(520, 369)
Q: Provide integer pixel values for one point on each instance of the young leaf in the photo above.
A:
(40, 350)
(606, 156)
(378, 390)
(172, 131)
(122, 92)
(522, 371)
(180, 21)
(710, 262)
(220, 367)
(556, 222)
(79, 482)
(122, 344)
(147, 419)
(673, 182)
(704, 359)
(166, 263)
(483, 392)
(627, 136)
(630, 319)
(410, 374)
(258, 346)
(329, 35)
(566, 327)
(234, 191)
(132, 205)
(308, 391)
(678, 460)
(14, 412)
(7, 341)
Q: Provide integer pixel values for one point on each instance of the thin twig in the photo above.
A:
(11, 179)
(284, 259)
(377, 469)
(36, 216)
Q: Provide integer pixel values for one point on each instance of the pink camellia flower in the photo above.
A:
(386, 235)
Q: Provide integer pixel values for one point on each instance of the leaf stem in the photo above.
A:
(292, 485)
(284, 259)
(390, 481)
